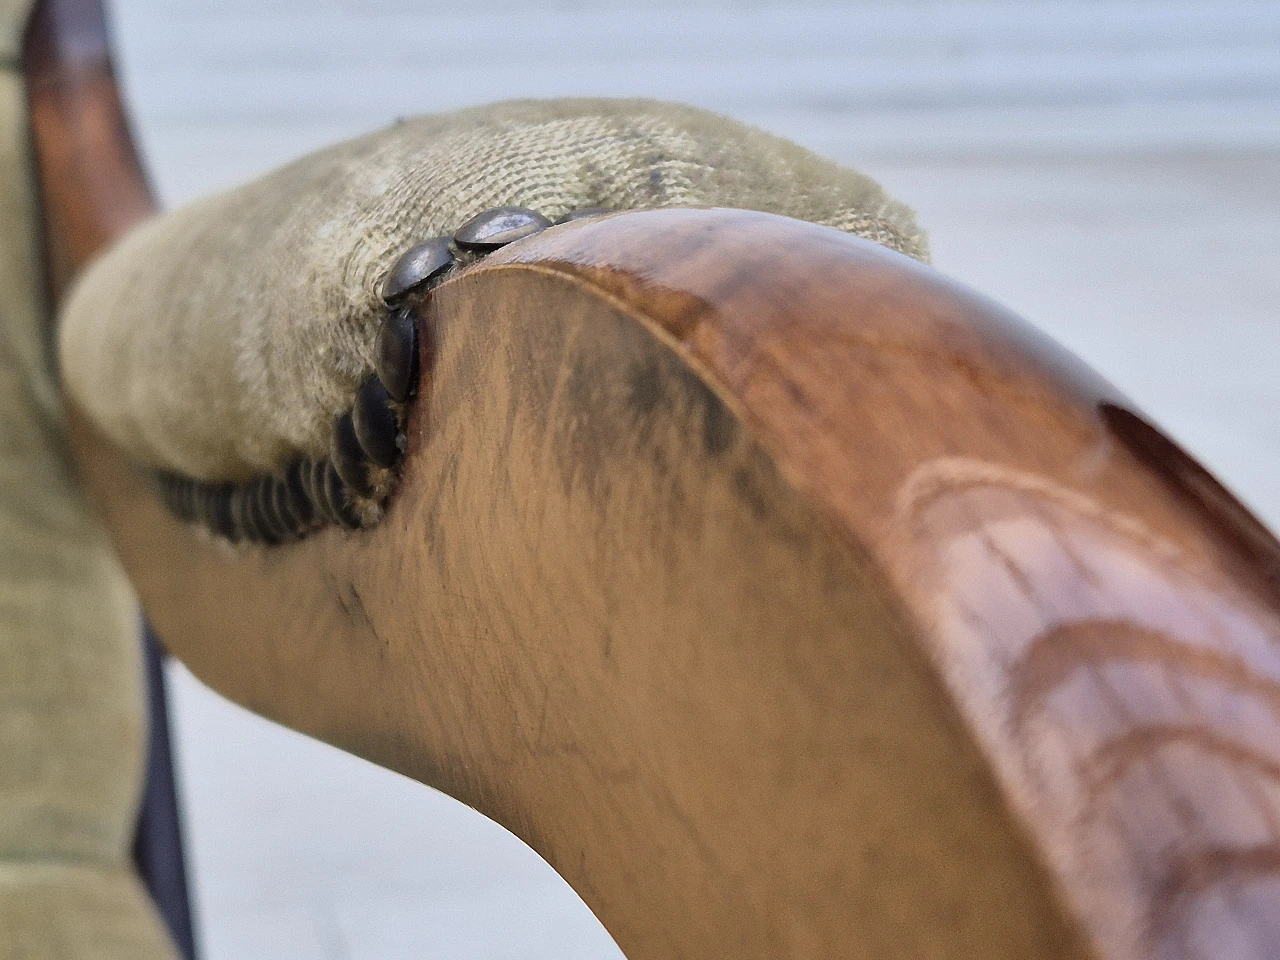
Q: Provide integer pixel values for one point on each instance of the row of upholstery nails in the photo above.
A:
(269, 509)
(344, 488)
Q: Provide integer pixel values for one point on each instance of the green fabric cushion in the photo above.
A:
(13, 19)
(72, 714)
(72, 717)
(71, 912)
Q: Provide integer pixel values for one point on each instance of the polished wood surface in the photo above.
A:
(789, 598)
(1102, 611)
(91, 180)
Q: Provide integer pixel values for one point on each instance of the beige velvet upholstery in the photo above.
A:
(73, 912)
(220, 341)
(72, 713)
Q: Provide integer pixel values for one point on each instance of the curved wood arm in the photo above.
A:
(790, 599)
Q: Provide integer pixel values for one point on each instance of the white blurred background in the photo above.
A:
(1109, 169)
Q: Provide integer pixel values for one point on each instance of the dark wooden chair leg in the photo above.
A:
(157, 848)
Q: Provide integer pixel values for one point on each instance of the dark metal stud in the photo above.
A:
(586, 213)
(375, 423)
(219, 515)
(251, 514)
(278, 523)
(305, 469)
(396, 355)
(243, 514)
(283, 510)
(341, 508)
(416, 266)
(300, 504)
(314, 477)
(348, 457)
(282, 507)
(260, 506)
(497, 227)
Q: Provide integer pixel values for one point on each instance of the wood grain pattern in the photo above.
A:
(1102, 610)
(788, 598)
(625, 638)
(91, 180)
(689, 496)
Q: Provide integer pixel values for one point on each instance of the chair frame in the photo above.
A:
(991, 633)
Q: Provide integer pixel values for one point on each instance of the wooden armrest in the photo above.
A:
(790, 599)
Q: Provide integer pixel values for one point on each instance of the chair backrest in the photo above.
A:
(72, 709)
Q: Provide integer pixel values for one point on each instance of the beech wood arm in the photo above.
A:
(789, 598)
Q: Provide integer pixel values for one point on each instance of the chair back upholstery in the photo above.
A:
(72, 712)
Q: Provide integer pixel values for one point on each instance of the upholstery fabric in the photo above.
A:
(13, 19)
(72, 713)
(219, 341)
(75, 912)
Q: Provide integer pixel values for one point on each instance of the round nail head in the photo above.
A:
(317, 471)
(269, 525)
(282, 510)
(418, 265)
(245, 517)
(348, 457)
(375, 423)
(396, 354)
(221, 519)
(497, 227)
(340, 505)
(300, 503)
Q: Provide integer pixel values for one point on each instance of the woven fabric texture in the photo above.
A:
(13, 20)
(219, 341)
(75, 912)
(72, 715)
